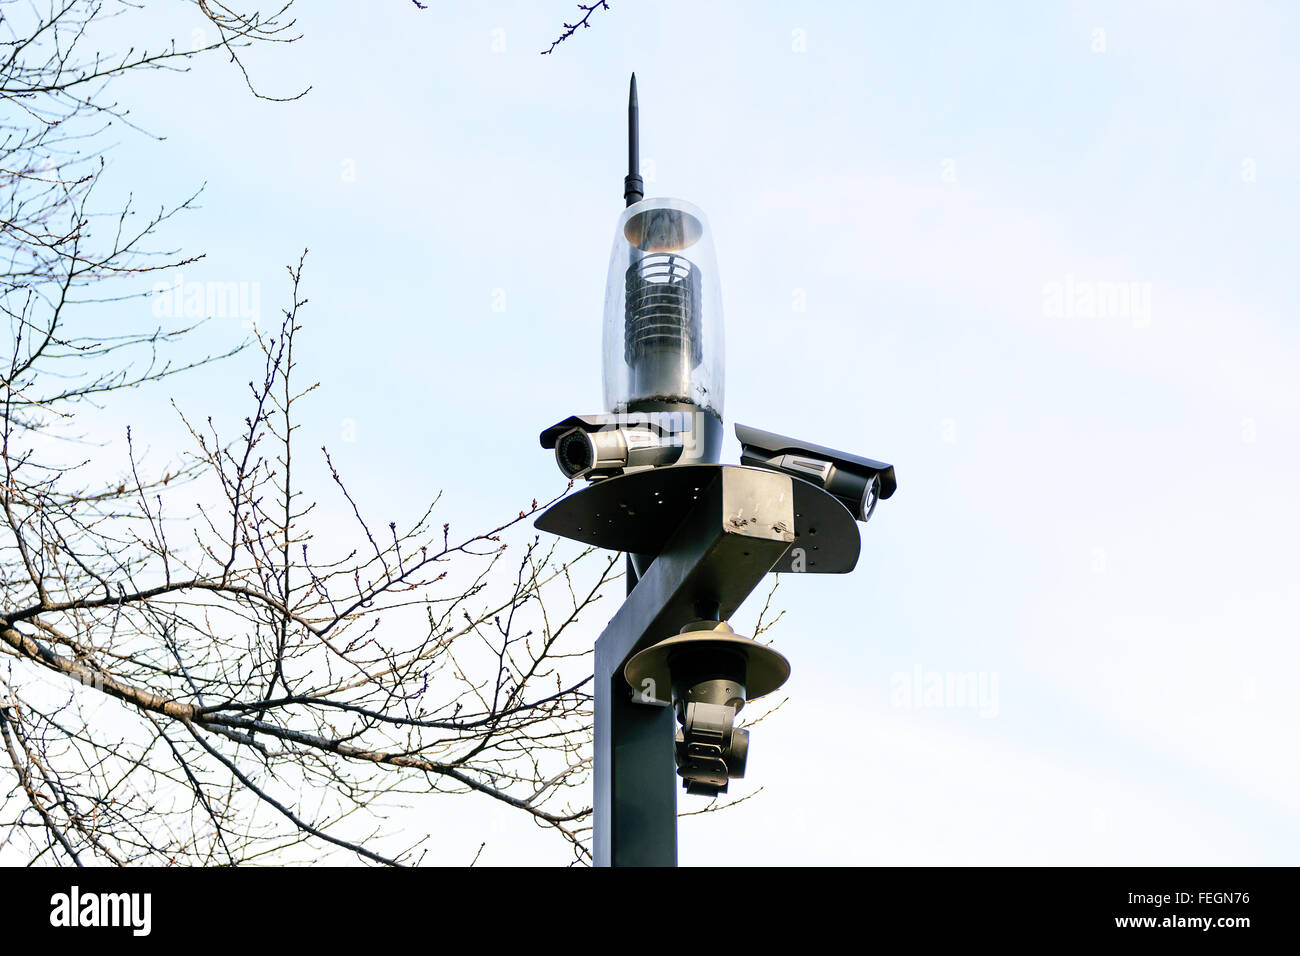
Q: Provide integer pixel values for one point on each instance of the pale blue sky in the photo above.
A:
(1098, 511)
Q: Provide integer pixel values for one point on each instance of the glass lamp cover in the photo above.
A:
(663, 310)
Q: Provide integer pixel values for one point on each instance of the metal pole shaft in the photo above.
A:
(636, 816)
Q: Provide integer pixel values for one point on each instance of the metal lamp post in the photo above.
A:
(670, 674)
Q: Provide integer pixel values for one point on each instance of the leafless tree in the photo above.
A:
(185, 675)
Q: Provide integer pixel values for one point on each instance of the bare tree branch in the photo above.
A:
(587, 9)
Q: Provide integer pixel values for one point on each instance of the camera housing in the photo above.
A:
(601, 446)
(857, 482)
(711, 671)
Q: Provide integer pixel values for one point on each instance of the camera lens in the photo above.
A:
(574, 453)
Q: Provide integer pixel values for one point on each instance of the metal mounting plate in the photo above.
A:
(638, 512)
(765, 669)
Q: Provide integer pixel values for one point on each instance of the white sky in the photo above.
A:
(1097, 512)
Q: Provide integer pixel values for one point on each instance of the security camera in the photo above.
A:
(857, 482)
(712, 671)
(600, 446)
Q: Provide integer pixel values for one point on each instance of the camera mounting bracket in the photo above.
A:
(638, 513)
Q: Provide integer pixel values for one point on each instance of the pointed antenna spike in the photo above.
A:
(633, 187)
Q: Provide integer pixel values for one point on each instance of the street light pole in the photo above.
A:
(670, 674)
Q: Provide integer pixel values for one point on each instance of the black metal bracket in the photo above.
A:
(739, 524)
(640, 511)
